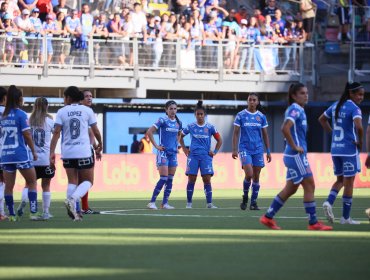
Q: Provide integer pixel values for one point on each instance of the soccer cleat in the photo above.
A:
(46, 216)
(189, 205)
(367, 212)
(152, 206)
(71, 207)
(20, 209)
(167, 206)
(69, 213)
(328, 211)
(270, 223)
(254, 206)
(348, 221)
(36, 217)
(211, 206)
(12, 218)
(89, 211)
(244, 203)
(319, 226)
(3, 217)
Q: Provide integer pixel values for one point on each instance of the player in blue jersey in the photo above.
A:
(367, 162)
(17, 152)
(299, 173)
(250, 131)
(168, 128)
(3, 216)
(346, 143)
(200, 154)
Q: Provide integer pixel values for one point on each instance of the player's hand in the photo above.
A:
(35, 157)
(160, 148)
(367, 162)
(268, 157)
(358, 145)
(299, 150)
(211, 153)
(186, 151)
(52, 160)
(234, 155)
(98, 156)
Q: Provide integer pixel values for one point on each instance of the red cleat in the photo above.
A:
(319, 226)
(270, 223)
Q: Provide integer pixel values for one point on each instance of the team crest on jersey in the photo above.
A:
(359, 111)
(205, 130)
(294, 113)
(258, 118)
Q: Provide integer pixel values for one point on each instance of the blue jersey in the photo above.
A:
(297, 115)
(251, 124)
(201, 137)
(168, 131)
(344, 132)
(14, 148)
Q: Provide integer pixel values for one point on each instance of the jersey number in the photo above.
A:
(39, 137)
(74, 128)
(9, 134)
(338, 133)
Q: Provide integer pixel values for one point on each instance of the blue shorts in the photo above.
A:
(254, 160)
(164, 159)
(298, 168)
(202, 162)
(12, 167)
(346, 166)
(49, 47)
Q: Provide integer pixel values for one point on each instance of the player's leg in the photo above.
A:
(192, 167)
(172, 165)
(257, 163)
(29, 174)
(9, 172)
(46, 198)
(72, 177)
(347, 201)
(162, 165)
(246, 161)
(2, 190)
(206, 170)
(85, 208)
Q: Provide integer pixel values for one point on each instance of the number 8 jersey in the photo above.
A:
(344, 132)
(75, 120)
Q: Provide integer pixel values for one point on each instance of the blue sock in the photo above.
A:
(246, 186)
(332, 196)
(208, 192)
(310, 208)
(158, 187)
(347, 204)
(167, 189)
(255, 191)
(9, 204)
(78, 208)
(275, 206)
(190, 191)
(32, 197)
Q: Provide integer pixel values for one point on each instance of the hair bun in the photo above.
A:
(200, 103)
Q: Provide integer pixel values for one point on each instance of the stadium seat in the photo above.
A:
(332, 48)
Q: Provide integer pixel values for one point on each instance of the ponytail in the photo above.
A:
(293, 89)
(350, 87)
(199, 106)
(168, 104)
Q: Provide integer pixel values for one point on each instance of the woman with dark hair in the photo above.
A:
(299, 173)
(74, 120)
(346, 143)
(17, 146)
(250, 131)
(200, 155)
(168, 128)
(3, 216)
(42, 126)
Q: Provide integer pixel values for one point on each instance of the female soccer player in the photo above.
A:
(200, 155)
(169, 128)
(73, 120)
(17, 147)
(3, 217)
(250, 130)
(346, 143)
(42, 126)
(295, 159)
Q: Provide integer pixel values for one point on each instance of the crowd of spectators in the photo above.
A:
(199, 24)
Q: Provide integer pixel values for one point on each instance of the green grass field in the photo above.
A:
(130, 242)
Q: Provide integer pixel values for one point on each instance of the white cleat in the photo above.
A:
(211, 206)
(167, 206)
(367, 212)
(46, 216)
(349, 221)
(328, 211)
(71, 207)
(152, 206)
(189, 205)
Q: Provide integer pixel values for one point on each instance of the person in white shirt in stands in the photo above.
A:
(139, 22)
(74, 120)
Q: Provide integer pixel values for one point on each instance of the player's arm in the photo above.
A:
(367, 163)
(360, 132)
(324, 121)
(53, 144)
(285, 129)
(150, 132)
(97, 135)
(218, 139)
(182, 143)
(235, 141)
(266, 139)
(28, 139)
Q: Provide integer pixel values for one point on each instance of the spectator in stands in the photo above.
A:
(45, 8)
(36, 35)
(87, 31)
(9, 46)
(258, 15)
(64, 44)
(116, 50)
(101, 33)
(197, 35)
(13, 9)
(49, 29)
(139, 22)
(279, 21)
(231, 48)
(135, 146)
(179, 6)
(3, 10)
(188, 12)
(344, 20)
(253, 37)
(151, 31)
(73, 27)
(62, 7)
(127, 31)
(172, 29)
(241, 14)
(307, 9)
(158, 42)
(146, 147)
(27, 4)
(25, 27)
(270, 9)
(212, 35)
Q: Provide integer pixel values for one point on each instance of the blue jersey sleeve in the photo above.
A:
(23, 121)
(328, 113)
(264, 122)
(186, 130)
(159, 123)
(356, 113)
(292, 114)
(237, 120)
(213, 130)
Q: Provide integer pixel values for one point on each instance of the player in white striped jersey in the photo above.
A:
(2, 185)
(73, 120)
(42, 126)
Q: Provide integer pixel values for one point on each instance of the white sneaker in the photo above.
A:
(46, 216)
(211, 206)
(349, 37)
(189, 205)
(328, 211)
(71, 207)
(167, 206)
(367, 212)
(151, 205)
(349, 221)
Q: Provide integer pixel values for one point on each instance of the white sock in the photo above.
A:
(25, 194)
(81, 190)
(2, 189)
(70, 190)
(46, 199)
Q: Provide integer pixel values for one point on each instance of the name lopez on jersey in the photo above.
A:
(75, 114)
